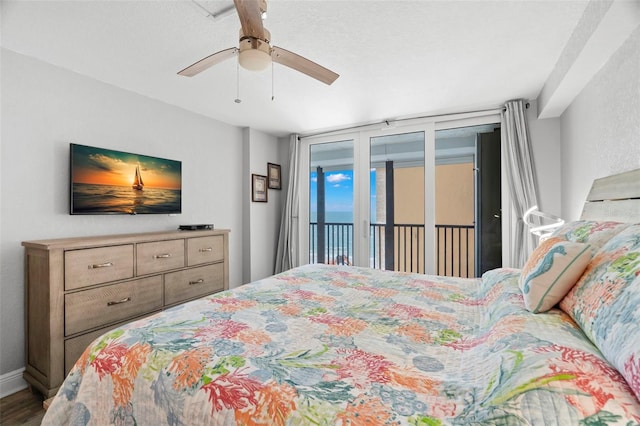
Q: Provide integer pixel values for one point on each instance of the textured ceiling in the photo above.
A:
(396, 59)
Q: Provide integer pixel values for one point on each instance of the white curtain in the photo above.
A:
(287, 253)
(516, 146)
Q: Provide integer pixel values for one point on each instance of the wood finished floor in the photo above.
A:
(21, 408)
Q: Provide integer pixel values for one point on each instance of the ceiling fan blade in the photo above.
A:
(208, 62)
(304, 65)
(250, 18)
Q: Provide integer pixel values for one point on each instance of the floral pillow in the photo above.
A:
(605, 303)
(595, 233)
(552, 269)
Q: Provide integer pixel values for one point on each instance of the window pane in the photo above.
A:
(331, 203)
(397, 202)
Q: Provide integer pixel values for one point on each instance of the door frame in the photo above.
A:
(428, 129)
(303, 192)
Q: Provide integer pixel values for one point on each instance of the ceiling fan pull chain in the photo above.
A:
(238, 100)
(273, 96)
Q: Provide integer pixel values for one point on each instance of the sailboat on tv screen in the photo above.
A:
(137, 180)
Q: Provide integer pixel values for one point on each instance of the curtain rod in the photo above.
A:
(526, 106)
(488, 111)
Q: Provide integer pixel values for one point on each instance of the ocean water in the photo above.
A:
(90, 198)
(338, 240)
(334, 217)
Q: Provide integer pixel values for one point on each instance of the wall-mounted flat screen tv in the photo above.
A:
(104, 181)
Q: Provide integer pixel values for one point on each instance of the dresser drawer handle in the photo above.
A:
(162, 256)
(203, 250)
(200, 281)
(117, 302)
(101, 265)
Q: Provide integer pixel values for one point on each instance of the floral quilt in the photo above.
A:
(326, 345)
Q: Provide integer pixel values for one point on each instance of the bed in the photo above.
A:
(336, 344)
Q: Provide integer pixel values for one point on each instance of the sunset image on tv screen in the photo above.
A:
(108, 181)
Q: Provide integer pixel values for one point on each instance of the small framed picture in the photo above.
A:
(273, 171)
(258, 188)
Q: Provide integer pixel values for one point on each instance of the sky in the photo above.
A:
(338, 193)
(107, 167)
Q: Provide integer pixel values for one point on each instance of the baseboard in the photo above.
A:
(12, 382)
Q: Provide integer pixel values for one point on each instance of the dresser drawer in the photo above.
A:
(205, 250)
(192, 283)
(92, 308)
(74, 347)
(159, 256)
(87, 267)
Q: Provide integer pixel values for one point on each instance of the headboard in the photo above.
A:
(615, 197)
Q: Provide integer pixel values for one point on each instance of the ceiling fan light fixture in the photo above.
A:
(255, 53)
(254, 59)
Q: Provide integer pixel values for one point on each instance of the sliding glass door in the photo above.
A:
(396, 214)
(371, 197)
(468, 200)
(330, 203)
(363, 200)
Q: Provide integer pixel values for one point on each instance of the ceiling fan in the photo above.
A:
(255, 51)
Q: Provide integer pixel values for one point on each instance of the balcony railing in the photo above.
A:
(337, 247)
(408, 248)
(454, 247)
(455, 254)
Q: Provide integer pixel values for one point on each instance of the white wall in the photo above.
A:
(44, 108)
(601, 128)
(545, 144)
(261, 221)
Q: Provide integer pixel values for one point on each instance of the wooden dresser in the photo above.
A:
(78, 288)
